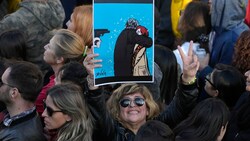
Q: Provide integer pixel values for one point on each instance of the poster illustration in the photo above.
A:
(123, 38)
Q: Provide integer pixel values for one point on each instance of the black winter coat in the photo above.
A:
(239, 125)
(124, 49)
(27, 128)
(111, 130)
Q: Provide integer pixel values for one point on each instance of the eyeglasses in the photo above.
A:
(207, 78)
(50, 111)
(126, 102)
(2, 83)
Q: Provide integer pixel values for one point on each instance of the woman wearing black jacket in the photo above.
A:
(239, 125)
(131, 105)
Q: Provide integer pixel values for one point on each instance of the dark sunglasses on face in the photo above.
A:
(50, 111)
(207, 78)
(137, 101)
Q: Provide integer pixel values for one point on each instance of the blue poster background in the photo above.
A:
(113, 16)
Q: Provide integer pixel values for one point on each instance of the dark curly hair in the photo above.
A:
(241, 57)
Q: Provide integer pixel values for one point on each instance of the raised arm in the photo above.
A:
(187, 92)
(90, 63)
(190, 64)
(96, 101)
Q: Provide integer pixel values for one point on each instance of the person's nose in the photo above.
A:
(44, 114)
(67, 24)
(46, 47)
(132, 104)
(247, 74)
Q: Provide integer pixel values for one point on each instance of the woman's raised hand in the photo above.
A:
(190, 64)
(90, 63)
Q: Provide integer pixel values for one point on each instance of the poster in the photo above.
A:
(124, 39)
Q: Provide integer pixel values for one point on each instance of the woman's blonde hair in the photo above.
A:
(126, 89)
(68, 45)
(83, 23)
(69, 98)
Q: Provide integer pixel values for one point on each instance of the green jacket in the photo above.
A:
(36, 18)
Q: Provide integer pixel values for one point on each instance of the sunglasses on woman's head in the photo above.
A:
(50, 111)
(137, 101)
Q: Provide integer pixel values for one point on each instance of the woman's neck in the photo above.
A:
(56, 68)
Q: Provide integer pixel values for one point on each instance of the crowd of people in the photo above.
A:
(48, 91)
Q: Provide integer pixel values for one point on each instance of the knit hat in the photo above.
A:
(132, 23)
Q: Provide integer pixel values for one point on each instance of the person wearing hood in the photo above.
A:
(36, 18)
(227, 19)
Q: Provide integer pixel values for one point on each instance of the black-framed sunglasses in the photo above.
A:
(207, 78)
(2, 83)
(50, 111)
(125, 102)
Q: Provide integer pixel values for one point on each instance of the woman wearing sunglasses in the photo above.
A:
(131, 105)
(67, 114)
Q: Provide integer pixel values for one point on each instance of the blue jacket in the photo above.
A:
(227, 17)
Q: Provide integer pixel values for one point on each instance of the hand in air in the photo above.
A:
(90, 63)
(190, 64)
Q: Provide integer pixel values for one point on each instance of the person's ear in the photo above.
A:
(14, 92)
(216, 93)
(222, 132)
(67, 118)
(59, 60)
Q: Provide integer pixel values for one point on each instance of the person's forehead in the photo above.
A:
(136, 94)
(6, 74)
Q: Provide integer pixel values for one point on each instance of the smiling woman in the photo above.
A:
(131, 110)
(131, 106)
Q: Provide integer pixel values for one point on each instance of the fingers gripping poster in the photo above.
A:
(123, 38)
